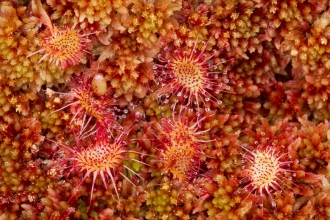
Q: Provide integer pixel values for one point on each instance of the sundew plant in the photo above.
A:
(164, 109)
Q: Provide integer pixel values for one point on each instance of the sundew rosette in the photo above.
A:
(181, 144)
(191, 73)
(100, 157)
(65, 46)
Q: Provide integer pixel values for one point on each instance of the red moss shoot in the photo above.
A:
(190, 73)
(182, 142)
(86, 103)
(100, 157)
(266, 172)
(64, 47)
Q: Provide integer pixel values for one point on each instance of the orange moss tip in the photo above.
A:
(191, 73)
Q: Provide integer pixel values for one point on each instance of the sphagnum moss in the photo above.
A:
(277, 97)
